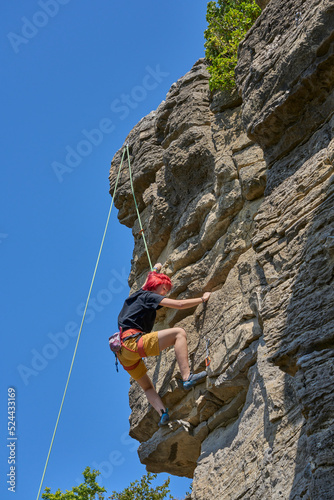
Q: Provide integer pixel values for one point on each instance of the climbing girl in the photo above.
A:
(136, 321)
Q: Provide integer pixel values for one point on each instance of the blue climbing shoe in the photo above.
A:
(164, 419)
(193, 379)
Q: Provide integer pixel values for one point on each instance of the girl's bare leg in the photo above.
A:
(153, 397)
(178, 338)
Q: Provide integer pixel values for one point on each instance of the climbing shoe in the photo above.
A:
(164, 419)
(193, 379)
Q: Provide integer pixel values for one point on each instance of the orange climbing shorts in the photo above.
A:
(150, 344)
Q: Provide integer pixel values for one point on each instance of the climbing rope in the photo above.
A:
(139, 219)
(87, 301)
(206, 339)
(207, 345)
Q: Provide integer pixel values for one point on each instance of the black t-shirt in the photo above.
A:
(139, 311)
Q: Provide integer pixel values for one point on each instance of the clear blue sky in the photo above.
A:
(68, 69)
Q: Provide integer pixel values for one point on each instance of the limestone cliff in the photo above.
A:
(236, 195)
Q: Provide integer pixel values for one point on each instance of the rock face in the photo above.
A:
(236, 197)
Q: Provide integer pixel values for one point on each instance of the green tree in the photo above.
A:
(228, 23)
(85, 491)
(142, 490)
(90, 490)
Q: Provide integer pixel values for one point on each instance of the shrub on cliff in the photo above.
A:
(228, 23)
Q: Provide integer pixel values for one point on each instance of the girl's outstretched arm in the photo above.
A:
(185, 303)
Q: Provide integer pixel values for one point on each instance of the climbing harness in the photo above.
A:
(125, 150)
(132, 333)
(116, 342)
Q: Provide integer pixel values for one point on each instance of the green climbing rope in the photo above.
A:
(139, 220)
(80, 329)
(126, 149)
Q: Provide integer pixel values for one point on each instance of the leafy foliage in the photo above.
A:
(85, 491)
(90, 490)
(142, 490)
(228, 23)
